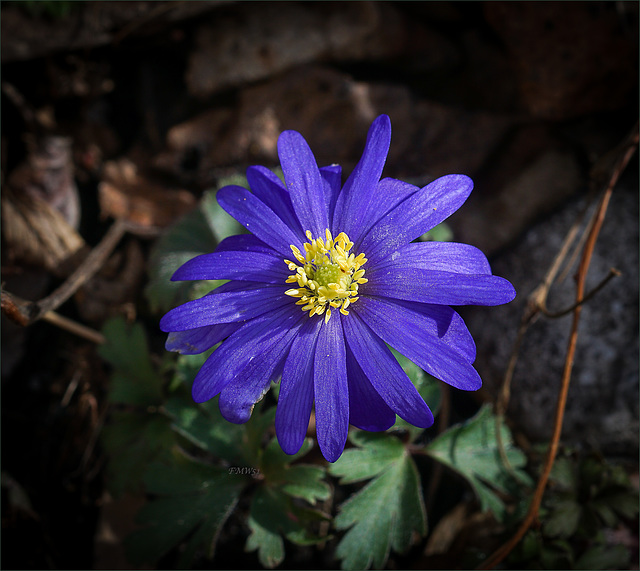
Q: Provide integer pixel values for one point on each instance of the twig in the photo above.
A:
(154, 13)
(583, 268)
(74, 327)
(613, 273)
(92, 263)
(18, 100)
(536, 302)
(27, 312)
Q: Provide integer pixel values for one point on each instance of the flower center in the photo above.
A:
(327, 274)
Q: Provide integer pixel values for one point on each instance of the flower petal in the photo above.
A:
(332, 179)
(238, 398)
(416, 215)
(244, 243)
(266, 185)
(439, 322)
(296, 389)
(331, 389)
(225, 307)
(304, 182)
(385, 373)
(253, 338)
(356, 204)
(416, 336)
(258, 218)
(386, 195)
(367, 410)
(441, 256)
(442, 288)
(200, 339)
(235, 265)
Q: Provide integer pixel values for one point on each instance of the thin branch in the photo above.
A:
(613, 273)
(92, 263)
(583, 268)
(25, 312)
(74, 327)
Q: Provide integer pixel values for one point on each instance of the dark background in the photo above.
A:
(155, 102)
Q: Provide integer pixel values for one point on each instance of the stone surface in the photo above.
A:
(571, 58)
(251, 42)
(87, 24)
(333, 112)
(533, 173)
(602, 408)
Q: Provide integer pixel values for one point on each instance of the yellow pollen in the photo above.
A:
(327, 275)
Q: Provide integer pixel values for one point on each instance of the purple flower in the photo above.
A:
(328, 276)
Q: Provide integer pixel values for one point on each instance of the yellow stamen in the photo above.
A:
(327, 275)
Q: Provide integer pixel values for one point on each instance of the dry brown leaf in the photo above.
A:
(125, 193)
(35, 233)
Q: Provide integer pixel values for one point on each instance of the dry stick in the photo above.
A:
(25, 313)
(74, 327)
(537, 299)
(532, 514)
(87, 269)
(613, 273)
(18, 100)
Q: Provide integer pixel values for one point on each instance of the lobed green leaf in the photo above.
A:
(377, 451)
(386, 514)
(273, 514)
(132, 441)
(194, 498)
(472, 450)
(134, 380)
(389, 511)
(197, 232)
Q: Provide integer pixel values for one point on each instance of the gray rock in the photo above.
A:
(602, 407)
(333, 112)
(570, 58)
(531, 175)
(252, 41)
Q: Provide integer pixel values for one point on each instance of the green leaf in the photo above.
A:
(134, 380)
(197, 232)
(428, 387)
(471, 449)
(604, 557)
(132, 441)
(192, 495)
(389, 511)
(529, 548)
(306, 482)
(273, 514)
(377, 451)
(273, 510)
(265, 539)
(206, 428)
(564, 474)
(299, 481)
(624, 502)
(564, 519)
(556, 555)
(440, 233)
